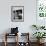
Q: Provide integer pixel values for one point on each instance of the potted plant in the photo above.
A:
(39, 35)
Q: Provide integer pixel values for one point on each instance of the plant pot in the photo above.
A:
(40, 41)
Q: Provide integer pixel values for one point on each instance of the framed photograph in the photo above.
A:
(17, 13)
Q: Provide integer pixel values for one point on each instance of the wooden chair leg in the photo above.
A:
(5, 39)
(17, 39)
(5, 43)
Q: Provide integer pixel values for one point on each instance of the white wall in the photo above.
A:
(29, 15)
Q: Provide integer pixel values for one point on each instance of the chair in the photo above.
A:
(7, 35)
(14, 32)
(25, 37)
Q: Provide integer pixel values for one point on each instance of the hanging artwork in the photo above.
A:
(41, 8)
(17, 13)
(41, 12)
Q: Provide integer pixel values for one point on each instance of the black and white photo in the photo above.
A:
(17, 13)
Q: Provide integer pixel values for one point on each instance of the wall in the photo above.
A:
(29, 15)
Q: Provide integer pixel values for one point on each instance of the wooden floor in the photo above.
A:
(13, 44)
